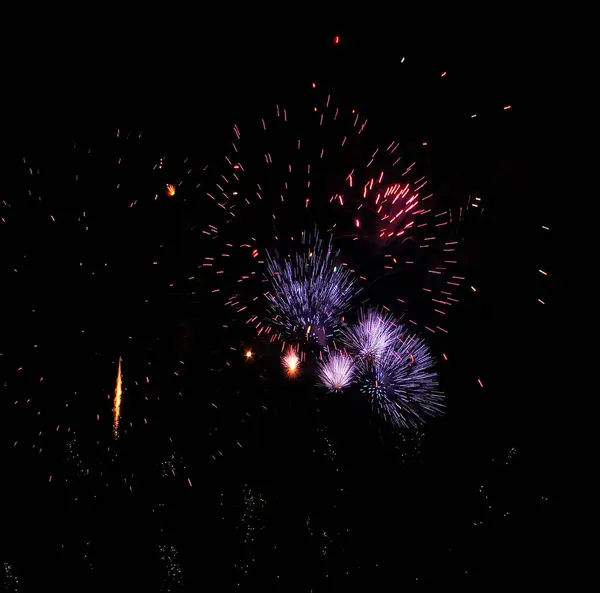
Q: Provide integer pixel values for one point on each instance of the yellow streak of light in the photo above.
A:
(170, 190)
(117, 403)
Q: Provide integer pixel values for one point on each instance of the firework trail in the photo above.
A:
(117, 402)
(336, 372)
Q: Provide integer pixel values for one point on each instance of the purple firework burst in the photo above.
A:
(376, 333)
(402, 384)
(309, 294)
(336, 372)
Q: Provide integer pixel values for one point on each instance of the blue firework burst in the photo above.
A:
(310, 293)
(401, 384)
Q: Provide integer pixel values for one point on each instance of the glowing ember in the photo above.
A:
(248, 354)
(170, 190)
(117, 404)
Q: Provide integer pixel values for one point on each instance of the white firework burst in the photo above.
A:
(336, 372)
(376, 333)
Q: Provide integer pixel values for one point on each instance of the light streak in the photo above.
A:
(117, 402)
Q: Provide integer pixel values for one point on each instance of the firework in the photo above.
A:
(290, 173)
(310, 294)
(402, 384)
(117, 402)
(291, 362)
(336, 372)
(375, 333)
(372, 201)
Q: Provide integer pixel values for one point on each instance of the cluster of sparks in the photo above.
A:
(336, 372)
(312, 286)
(291, 362)
(382, 209)
(310, 295)
(393, 368)
(375, 333)
(171, 567)
(11, 581)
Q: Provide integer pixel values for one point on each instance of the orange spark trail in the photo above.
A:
(117, 404)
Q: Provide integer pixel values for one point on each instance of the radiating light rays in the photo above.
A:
(291, 362)
(336, 372)
(375, 333)
(310, 293)
(388, 211)
(401, 384)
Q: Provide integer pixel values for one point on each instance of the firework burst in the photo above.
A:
(309, 295)
(291, 362)
(336, 372)
(376, 333)
(288, 172)
(402, 385)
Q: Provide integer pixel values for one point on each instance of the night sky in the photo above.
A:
(226, 475)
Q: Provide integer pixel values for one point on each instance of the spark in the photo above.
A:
(170, 190)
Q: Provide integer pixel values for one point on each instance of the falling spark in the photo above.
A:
(170, 190)
(117, 404)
